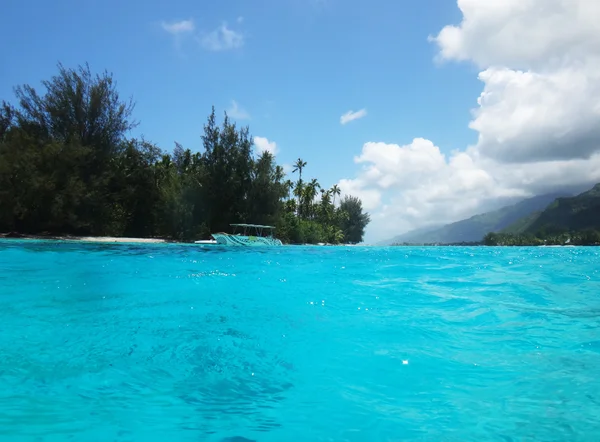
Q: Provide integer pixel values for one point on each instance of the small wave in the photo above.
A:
(321, 343)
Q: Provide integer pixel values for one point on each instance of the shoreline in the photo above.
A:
(129, 240)
(89, 239)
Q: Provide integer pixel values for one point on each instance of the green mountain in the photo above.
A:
(566, 214)
(476, 227)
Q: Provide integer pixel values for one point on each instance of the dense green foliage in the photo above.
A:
(574, 220)
(575, 213)
(588, 237)
(472, 230)
(67, 167)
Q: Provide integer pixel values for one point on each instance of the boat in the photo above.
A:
(206, 241)
(248, 235)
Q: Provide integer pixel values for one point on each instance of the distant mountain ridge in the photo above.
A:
(475, 228)
(416, 233)
(564, 214)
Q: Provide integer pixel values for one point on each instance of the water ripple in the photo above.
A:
(140, 343)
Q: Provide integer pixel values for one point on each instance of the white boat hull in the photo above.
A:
(226, 239)
(205, 241)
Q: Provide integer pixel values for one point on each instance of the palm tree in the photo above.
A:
(314, 183)
(299, 192)
(325, 207)
(335, 190)
(279, 174)
(310, 193)
(298, 166)
(289, 186)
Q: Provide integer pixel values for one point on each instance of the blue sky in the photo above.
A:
(302, 64)
(492, 108)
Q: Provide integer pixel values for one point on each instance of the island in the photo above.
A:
(69, 169)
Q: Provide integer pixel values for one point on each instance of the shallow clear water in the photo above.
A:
(141, 343)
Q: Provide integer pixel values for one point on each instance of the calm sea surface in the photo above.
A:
(185, 343)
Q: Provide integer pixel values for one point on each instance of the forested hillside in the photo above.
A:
(569, 214)
(473, 229)
(575, 220)
(67, 166)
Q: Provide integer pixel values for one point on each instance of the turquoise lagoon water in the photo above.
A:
(148, 342)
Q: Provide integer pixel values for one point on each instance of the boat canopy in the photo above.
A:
(258, 226)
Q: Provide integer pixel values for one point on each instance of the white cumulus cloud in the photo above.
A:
(416, 184)
(526, 116)
(369, 195)
(541, 60)
(538, 118)
(264, 145)
(524, 34)
(351, 116)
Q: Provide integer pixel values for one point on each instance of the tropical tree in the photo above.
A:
(288, 186)
(77, 107)
(335, 191)
(355, 221)
(299, 165)
(310, 193)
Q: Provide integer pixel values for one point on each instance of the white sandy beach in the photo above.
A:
(113, 239)
(94, 239)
